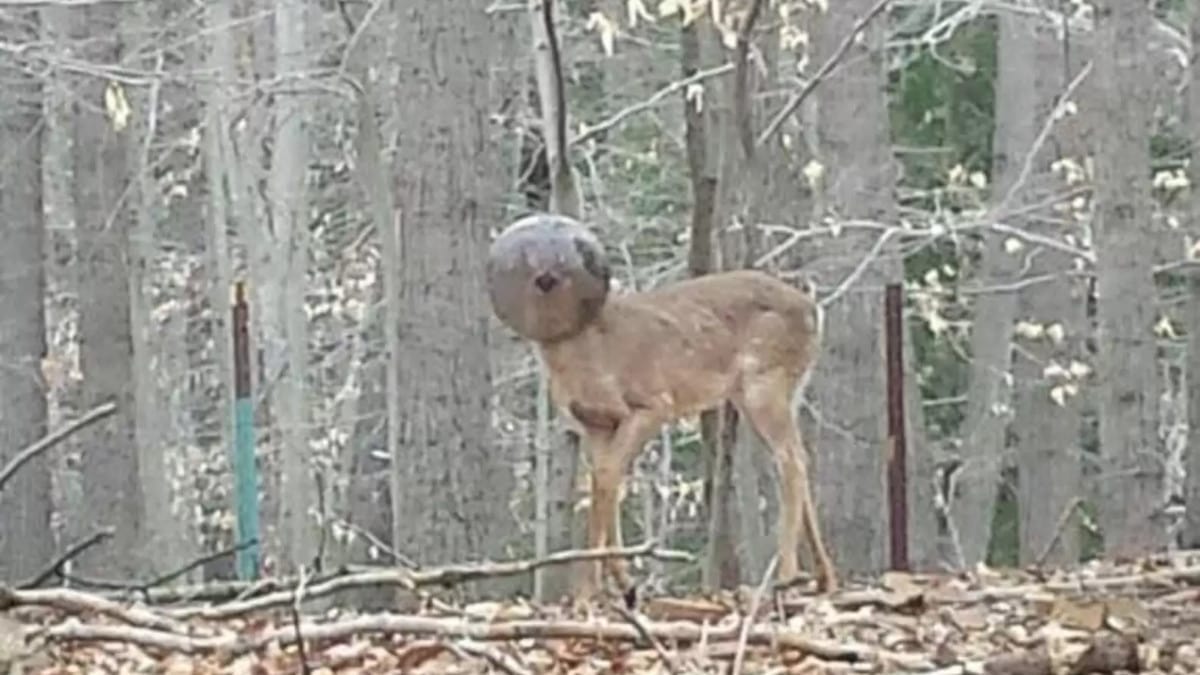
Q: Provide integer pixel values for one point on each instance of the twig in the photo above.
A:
(1059, 528)
(501, 661)
(740, 654)
(202, 560)
(439, 576)
(640, 626)
(49, 441)
(678, 85)
(862, 266)
(296, 602)
(823, 72)
(72, 552)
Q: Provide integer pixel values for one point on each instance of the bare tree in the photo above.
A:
(989, 403)
(1131, 484)
(450, 486)
(847, 388)
(1051, 358)
(103, 143)
(26, 540)
(289, 218)
(1191, 530)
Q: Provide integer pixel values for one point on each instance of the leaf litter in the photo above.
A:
(1099, 617)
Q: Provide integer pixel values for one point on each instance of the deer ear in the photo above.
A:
(594, 262)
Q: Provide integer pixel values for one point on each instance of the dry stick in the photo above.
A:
(78, 602)
(55, 566)
(660, 95)
(298, 599)
(1059, 528)
(740, 654)
(49, 441)
(502, 661)
(440, 576)
(642, 630)
(826, 68)
(402, 624)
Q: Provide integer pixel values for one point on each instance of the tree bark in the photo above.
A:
(1191, 526)
(989, 402)
(847, 387)
(1132, 479)
(112, 495)
(26, 540)
(289, 208)
(451, 487)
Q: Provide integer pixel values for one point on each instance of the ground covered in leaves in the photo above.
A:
(1098, 618)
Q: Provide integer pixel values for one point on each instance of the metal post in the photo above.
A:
(245, 469)
(897, 470)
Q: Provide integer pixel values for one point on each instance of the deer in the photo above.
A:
(621, 365)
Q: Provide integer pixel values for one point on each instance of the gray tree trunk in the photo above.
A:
(289, 216)
(989, 403)
(1048, 443)
(26, 541)
(847, 433)
(451, 487)
(217, 263)
(1191, 527)
(1131, 484)
(112, 495)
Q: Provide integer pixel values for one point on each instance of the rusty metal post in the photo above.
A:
(245, 469)
(897, 469)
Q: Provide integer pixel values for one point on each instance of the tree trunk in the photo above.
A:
(1132, 479)
(110, 469)
(217, 263)
(847, 388)
(289, 211)
(451, 487)
(1191, 527)
(1048, 442)
(26, 541)
(989, 404)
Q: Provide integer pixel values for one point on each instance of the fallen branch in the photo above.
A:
(77, 602)
(72, 552)
(436, 576)
(400, 624)
(50, 440)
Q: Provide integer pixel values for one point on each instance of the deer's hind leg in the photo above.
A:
(765, 400)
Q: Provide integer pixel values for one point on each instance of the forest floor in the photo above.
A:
(1096, 618)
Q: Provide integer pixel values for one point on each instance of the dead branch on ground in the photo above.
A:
(78, 602)
(448, 575)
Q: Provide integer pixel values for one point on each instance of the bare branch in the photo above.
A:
(56, 565)
(657, 97)
(824, 71)
(94, 415)
(79, 602)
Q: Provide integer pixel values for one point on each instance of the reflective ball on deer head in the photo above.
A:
(547, 276)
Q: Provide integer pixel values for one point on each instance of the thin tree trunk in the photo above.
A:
(989, 397)
(26, 540)
(289, 208)
(1191, 527)
(112, 495)
(1128, 375)
(217, 264)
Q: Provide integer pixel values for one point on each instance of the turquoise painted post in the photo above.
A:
(245, 469)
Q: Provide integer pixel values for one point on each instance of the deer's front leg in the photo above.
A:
(611, 459)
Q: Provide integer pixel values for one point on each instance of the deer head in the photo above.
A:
(621, 366)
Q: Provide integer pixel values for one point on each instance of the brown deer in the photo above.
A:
(622, 365)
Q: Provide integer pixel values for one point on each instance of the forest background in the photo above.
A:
(1023, 167)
